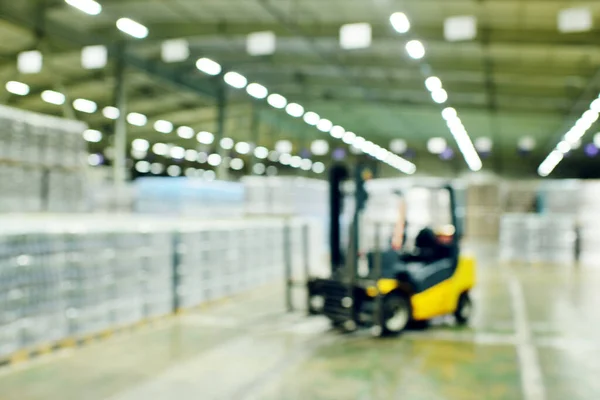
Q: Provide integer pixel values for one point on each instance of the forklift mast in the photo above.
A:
(337, 176)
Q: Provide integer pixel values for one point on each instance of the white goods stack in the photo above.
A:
(589, 223)
(483, 201)
(190, 197)
(67, 277)
(286, 196)
(538, 238)
(41, 163)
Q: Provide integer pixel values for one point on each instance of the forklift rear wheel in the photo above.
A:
(464, 309)
(397, 313)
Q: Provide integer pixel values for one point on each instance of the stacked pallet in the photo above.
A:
(538, 238)
(589, 223)
(41, 163)
(520, 197)
(69, 278)
(483, 210)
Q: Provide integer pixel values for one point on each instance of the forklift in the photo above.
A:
(401, 288)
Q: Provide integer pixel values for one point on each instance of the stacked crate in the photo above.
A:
(189, 196)
(64, 277)
(520, 197)
(483, 210)
(41, 163)
(538, 238)
(589, 223)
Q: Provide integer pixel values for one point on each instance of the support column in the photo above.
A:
(255, 135)
(222, 170)
(120, 137)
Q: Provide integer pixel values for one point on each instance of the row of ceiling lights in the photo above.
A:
(140, 148)
(416, 50)
(255, 90)
(295, 110)
(571, 139)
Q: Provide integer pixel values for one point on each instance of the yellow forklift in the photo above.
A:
(399, 288)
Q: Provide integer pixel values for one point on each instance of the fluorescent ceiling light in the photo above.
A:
(111, 112)
(400, 22)
(94, 57)
(30, 62)
(85, 106)
(242, 148)
(174, 170)
(324, 125)
(177, 152)
(261, 43)
(143, 167)
(311, 118)
(89, 7)
(237, 164)
(433, 83)
(337, 132)
(226, 143)
(319, 147)
(261, 152)
(563, 147)
(283, 146)
(575, 20)
(285, 159)
(483, 144)
(440, 96)
(92, 135)
(163, 126)
(137, 119)
(295, 162)
(257, 91)
(205, 137)
(277, 101)
(349, 137)
(160, 149)
(436, 145)
(460, 28)
(132, 28)
(214, 160)
(415, 49)
(318, 167)
(259, 169)
(235, 80)
(356, 36)
(185, 132)
(94, 160)
(157, 168)
(398, 146)
(175, 50)
(18, 88)
(52, 97)
(140, 145)
(449, 113)
(209, 66)
(191, 155)
(294, 110)
(306, 164)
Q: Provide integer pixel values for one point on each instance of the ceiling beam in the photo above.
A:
(382, 31)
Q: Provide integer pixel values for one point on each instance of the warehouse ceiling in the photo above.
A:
(518, 78)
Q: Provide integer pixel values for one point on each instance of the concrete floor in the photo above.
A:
(535, 335)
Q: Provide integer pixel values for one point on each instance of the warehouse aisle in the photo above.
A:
(534, 336)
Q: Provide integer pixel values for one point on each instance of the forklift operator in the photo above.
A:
(428, 246)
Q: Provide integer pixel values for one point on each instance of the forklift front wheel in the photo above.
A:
(397, 313)
(464, 309)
